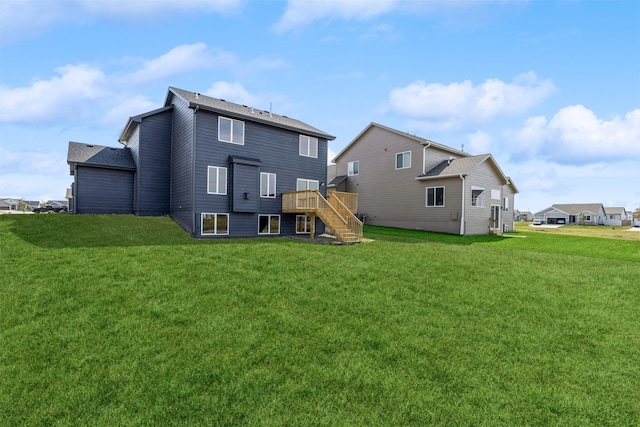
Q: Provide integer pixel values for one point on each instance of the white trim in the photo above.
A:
(268, 177)
(404, 166)
(215, 224)
(269, 216)
(234, 123)
(217, 189)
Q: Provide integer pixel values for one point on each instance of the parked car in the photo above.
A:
(538, 221)
(49, 208)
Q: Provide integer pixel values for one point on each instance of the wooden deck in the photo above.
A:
(337, 212)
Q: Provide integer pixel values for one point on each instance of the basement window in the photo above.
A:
(215, 224)
(268, 224)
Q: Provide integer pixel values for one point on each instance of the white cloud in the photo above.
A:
(233, 92)
(21, 19)
(83, 93)
(303, 12)
(575, 135)
(480, 143)
(179, 60)
(47, 101)
(34, 175)
(452, 106)
(117, 116)
(135, 8)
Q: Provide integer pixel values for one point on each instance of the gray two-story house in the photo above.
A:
(216, 167)
(406, 181)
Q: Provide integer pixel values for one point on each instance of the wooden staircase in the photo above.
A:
(336, 212)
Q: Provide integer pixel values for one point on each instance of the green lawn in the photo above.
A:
(119, 320)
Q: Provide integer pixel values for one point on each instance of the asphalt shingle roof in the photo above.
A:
(249, 113)
(459, 166)
(99, 155)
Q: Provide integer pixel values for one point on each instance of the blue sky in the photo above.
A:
(550, 88)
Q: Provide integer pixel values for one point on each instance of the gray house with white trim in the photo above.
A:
(410, 182)
(573, 213)
(216, 167)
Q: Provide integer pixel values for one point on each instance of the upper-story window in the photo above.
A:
(353, 168)
(403, 160)
(477, 196)
(267, 185)
(216, 180)
(307, 184)
(308, 146)
(230, 130)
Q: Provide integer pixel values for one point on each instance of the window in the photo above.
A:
(215, 224)
(505, 204)
(267, 185)
(403, 160)
(477, 196)
(216, 180)
(268, 224)
(303, 224)
(307, 184)
(435, 196)
(230, 130)
(308, 146)
(353, 168)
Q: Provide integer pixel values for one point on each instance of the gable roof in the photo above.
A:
(419, 140)
(198, 100)
(463, 166)
(135, 120)
(99, 156)
(573, 208)
(578, 208)
(615, 211)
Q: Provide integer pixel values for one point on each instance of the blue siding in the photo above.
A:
(277, 151)
(101, 191)
(181, 202)
(154, 164)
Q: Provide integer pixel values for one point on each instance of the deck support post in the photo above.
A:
(313, 226)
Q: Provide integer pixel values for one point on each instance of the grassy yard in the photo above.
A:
(609, 232)
(119, 320)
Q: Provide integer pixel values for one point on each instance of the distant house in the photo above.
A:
(522, 215)
(217, 168)
(410, 182)
(579, 213)
(9, 204)
(616, 216)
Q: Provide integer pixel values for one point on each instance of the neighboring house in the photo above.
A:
(522, 215)
(217, 168)
(409, 182)
(616, 216)
(579, 213)
(9, 204)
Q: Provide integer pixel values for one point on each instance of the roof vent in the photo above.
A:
(89, 145)
(197, 95)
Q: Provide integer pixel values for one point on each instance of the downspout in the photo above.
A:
(463, 199)
(424, 157)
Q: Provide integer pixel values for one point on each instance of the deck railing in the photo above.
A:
(350, 200)
(344, 225)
